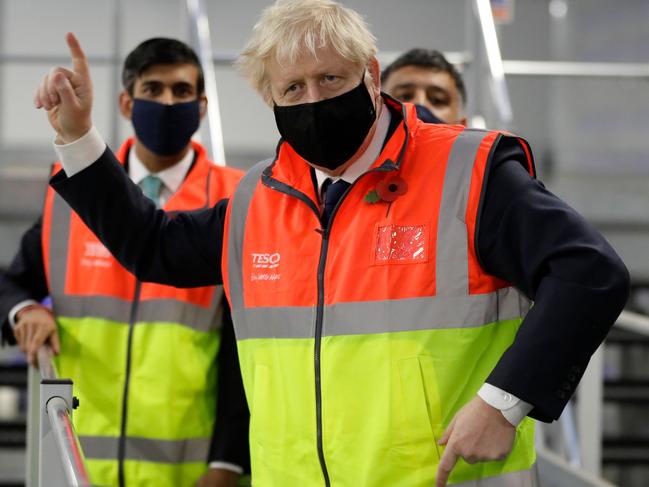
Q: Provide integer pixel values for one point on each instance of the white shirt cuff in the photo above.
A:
(78, 155)
(513, 409)
(227, 466)
(14, 311)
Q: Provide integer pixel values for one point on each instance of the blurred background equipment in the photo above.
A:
(568, 75)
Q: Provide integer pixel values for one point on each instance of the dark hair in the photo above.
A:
(426, 58)
(159, 50)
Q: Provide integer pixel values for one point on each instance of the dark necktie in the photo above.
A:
(332, 193)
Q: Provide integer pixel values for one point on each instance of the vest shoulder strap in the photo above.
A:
(238, 212)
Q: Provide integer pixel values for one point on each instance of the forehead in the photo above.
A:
(421, 77)
(169, 74)
(325, 60)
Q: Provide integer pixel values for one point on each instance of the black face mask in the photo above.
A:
(328, 133)
(165, 129)
(425, 115)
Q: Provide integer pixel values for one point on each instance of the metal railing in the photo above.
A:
(485, 64)
(567, 69)
(556, 472)
(497, 82)
(591, 396)
(201, 40)
(54, 455)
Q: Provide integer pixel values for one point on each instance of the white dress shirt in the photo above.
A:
(79, 154)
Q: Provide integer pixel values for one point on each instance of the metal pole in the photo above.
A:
(494, 60)
(70, 453)
(589, 414)
(115, 85)
(55, 431)
(555, 472)
(570, 435)
(471, 73)
(45, 366)
(203, 44)
(565, 69)
(33, 416)
(634, 322)
(34, 376)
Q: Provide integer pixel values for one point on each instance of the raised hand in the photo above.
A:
(67, 95)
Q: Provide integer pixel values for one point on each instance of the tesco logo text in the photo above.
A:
(265, 261)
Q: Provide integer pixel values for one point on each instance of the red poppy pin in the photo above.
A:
(389, 189)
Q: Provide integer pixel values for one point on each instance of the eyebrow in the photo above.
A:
(403, 86)
(158, 82)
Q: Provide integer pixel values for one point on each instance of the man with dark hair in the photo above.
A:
(145, 358)
(425, 78)
(380, 269)
(159, 51)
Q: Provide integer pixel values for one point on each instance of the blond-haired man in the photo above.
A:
(378, 269)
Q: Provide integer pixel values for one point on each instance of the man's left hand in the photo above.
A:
(477, 433)
(218, 477)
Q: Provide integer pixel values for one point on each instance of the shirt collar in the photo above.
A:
(365, 161)
(172, 177)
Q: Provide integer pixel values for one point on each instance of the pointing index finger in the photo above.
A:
(79, 61)
(446, 465)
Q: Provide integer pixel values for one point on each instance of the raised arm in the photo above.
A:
(182, 250)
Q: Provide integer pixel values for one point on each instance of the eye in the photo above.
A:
(404, 96)
(438, 101)
(293, 90)
(330, 78)
(183, 91)
(152, 89)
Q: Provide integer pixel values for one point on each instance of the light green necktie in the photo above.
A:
(151, 186)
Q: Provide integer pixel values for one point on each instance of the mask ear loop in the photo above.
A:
(378, 101)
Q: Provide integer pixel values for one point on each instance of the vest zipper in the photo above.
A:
(286, 189)
(316, 352)
(121, 446)
(324, 231)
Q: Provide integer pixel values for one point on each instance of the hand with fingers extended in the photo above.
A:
(35, 326)
(477, 433)
(67, 96)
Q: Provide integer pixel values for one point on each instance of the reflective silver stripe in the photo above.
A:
(151, 310)
(99, 447)
(190, 315)
(58, 246)
(146, 449)
(154, 310)
(452, 266)
(240, 202)
(367, 317)
(522, 478)
(276, 322)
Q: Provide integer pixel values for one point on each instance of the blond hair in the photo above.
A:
(290, 28)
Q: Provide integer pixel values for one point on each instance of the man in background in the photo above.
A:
(143, 357)
(379, 269)
(425, 78)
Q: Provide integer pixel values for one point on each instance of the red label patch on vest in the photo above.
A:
(401, 244)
